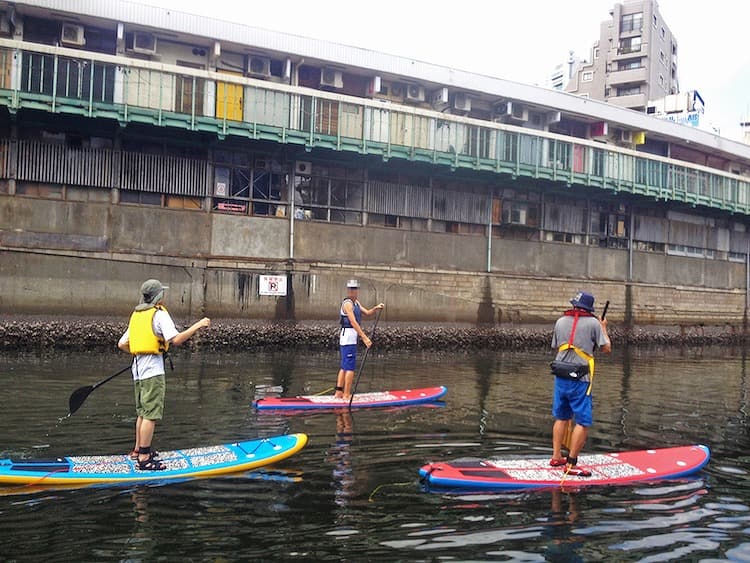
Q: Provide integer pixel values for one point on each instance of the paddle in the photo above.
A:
(569, 426)
(79, 395)
(364, 358)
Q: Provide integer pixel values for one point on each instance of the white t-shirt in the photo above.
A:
(151, 365)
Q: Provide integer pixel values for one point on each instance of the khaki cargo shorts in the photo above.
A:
(149, 397)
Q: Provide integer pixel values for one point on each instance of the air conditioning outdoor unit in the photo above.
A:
(144, 43)
(554, 117)
(5, 24)
(501, 111)
(519, 113)
(461, 102)
(332, 78)
(626, 136)
(72, 35)
(398, 90)
(439, 97)
(259, 66)
(414, 93)
(303, 168)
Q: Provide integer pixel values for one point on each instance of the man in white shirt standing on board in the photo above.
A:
(150, 332)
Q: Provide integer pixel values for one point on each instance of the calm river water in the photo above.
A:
(353, 492)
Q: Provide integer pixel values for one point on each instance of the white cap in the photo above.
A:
(352, 284)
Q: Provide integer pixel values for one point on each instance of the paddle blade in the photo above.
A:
(78, 397)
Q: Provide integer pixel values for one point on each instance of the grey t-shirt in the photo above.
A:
(588, 336)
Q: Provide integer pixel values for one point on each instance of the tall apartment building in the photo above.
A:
(633, 62)
(561, 75)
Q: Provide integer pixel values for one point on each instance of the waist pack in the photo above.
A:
(568, 370)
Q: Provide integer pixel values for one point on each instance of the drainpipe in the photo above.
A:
(489, 239)
(630, 246)
(291, 195)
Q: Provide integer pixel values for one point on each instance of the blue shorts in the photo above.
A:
(349, 357)
(570, 400)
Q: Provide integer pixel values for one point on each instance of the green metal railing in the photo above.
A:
(65, 81)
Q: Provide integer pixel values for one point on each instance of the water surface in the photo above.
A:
(353, 492)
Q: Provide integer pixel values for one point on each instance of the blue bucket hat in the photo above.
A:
(583, 301)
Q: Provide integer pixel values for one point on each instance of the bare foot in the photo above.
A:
(347, 397)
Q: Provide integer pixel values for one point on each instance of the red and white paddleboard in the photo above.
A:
(606, 469)
(361, 400)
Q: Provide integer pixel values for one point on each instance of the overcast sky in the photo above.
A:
(518, 40)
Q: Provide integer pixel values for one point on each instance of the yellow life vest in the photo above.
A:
(142, 339)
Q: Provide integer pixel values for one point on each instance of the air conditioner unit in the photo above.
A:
(144, 43)
(626, 136)
(331, 78)
(259, 66)
(554, 117)
(519, 113)
(72, 35)
(414, 93)
(461, 102)
(398, 90)
(502, 110)
(303, 168)
(439, 97)
(5, 25)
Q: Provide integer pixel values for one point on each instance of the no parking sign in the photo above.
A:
(272, 285)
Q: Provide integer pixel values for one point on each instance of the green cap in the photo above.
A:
(152, 291)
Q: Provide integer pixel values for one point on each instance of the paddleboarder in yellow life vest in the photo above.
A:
(150, 332)
(578, 333)
(350, 317)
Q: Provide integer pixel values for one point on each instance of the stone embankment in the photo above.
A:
(64, 333)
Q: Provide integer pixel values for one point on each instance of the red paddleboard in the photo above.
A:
(361, 400)
(606, 469)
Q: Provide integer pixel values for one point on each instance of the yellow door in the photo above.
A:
(229, 100)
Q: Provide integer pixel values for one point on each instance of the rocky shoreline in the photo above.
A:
(23, 333)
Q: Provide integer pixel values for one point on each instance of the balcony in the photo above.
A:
(630, 76)
(625, 53)
(91, 85)
(629, 101)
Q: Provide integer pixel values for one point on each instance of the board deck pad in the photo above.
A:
(606, 469)
(181, 464)
(361, 400)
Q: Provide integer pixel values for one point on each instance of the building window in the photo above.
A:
(662, 57)
(587, 76)
(596, 52)
(630, 65)
(628, 90)
(663, 32)
(656, 22)
(331, 193)
(661, 80)
(630, 45)
(140, 197)
(631, 22)
(245, 183)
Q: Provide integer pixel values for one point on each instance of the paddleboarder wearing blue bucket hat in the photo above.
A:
(578, 333)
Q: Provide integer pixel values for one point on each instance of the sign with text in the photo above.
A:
(272, 285)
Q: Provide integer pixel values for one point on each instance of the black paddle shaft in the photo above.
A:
(364, 358)
(604, 311)
(78, 396)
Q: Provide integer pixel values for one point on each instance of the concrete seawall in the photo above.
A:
(73, 258)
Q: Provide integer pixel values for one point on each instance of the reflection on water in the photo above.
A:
(353, 492)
